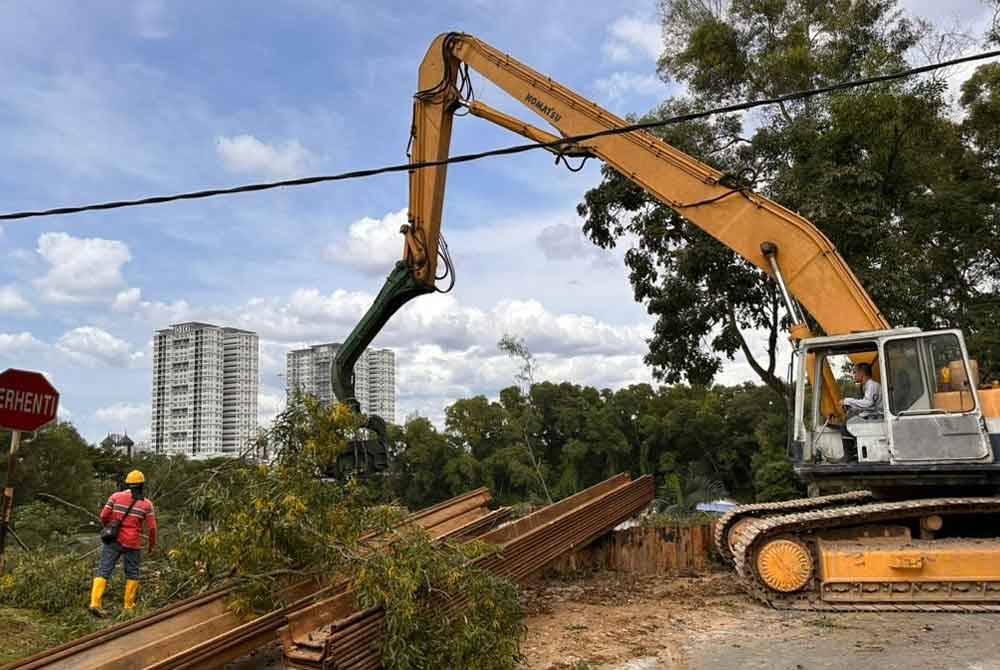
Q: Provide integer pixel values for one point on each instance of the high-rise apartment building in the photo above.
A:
(308, 370)
(239, 389)
(378, 392)
(204, 390)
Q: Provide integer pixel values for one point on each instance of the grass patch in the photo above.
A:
(25, 632)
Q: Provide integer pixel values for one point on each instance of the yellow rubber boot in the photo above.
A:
(97, 594)
(131, 591)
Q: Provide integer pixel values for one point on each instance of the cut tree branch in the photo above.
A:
(59, 500)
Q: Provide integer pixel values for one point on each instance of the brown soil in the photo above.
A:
(611, 619)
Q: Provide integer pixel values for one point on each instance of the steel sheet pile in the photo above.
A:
(201, 633)
(332, 634)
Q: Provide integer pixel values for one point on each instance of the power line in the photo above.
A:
(504, 151)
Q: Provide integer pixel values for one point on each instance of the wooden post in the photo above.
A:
(8, 496)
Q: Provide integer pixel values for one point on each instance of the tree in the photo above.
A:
(516, 348)
(57, 461)
(981, 101)
(479, 426)
(883, 171)
(427, 468)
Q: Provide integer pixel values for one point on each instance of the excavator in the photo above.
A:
(918, 527)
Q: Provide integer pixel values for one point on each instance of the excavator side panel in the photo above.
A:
(966, 560)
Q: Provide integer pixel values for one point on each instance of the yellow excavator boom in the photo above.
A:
(815, 273)
(746, 222)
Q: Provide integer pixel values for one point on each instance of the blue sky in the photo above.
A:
(123, 99)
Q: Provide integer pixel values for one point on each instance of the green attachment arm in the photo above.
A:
(400, 287)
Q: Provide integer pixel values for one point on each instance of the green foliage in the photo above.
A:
(267, 524)
(907, 193)
(679, 496)
(582, 435)
(49, 584)
(38, 523)
(56, 459)
(428, 465)
(54, 588)
(26, 631)
(415, 579)
(773, 477)
(172, 478)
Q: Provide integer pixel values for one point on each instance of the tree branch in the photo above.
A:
(766, 376)
(68, 504)
(282, 572)
(784, 112)
(735, 139)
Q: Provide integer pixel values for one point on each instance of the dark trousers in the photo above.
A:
(109, 559)
(850, 444)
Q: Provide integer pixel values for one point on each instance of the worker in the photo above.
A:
(869, 403)
(871, 400)
(130, 508)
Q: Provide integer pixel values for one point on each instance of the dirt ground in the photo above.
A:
(612, 621)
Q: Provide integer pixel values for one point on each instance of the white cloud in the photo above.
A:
(126, 300)
(270, 402)
(95, 347)
(621, 85)
(12, 302)
(17, 343)
(163, 314)
(123, 414)
(271, 356)
(309, 315)
(562, 241)
(82, 270)
(445, 350)
(631, 37)
(246, 154)
(430, 378)
(372, 245)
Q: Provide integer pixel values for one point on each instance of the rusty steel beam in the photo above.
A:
(347, 639)
(544, 538)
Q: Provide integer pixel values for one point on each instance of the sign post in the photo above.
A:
(27, 402)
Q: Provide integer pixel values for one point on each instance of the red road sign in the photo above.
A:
(27, 400)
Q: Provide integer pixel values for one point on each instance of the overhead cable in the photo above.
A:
(504, 151)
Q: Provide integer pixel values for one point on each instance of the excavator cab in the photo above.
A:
(927, 424)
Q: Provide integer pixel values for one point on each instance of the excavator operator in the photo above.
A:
(870, 403)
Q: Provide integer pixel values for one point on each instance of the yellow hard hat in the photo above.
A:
(135, 477)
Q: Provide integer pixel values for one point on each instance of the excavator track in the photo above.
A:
(801, 528)
(730, 519)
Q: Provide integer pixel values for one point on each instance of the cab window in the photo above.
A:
(928, 375)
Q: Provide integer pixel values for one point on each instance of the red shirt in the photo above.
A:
(130, 531)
